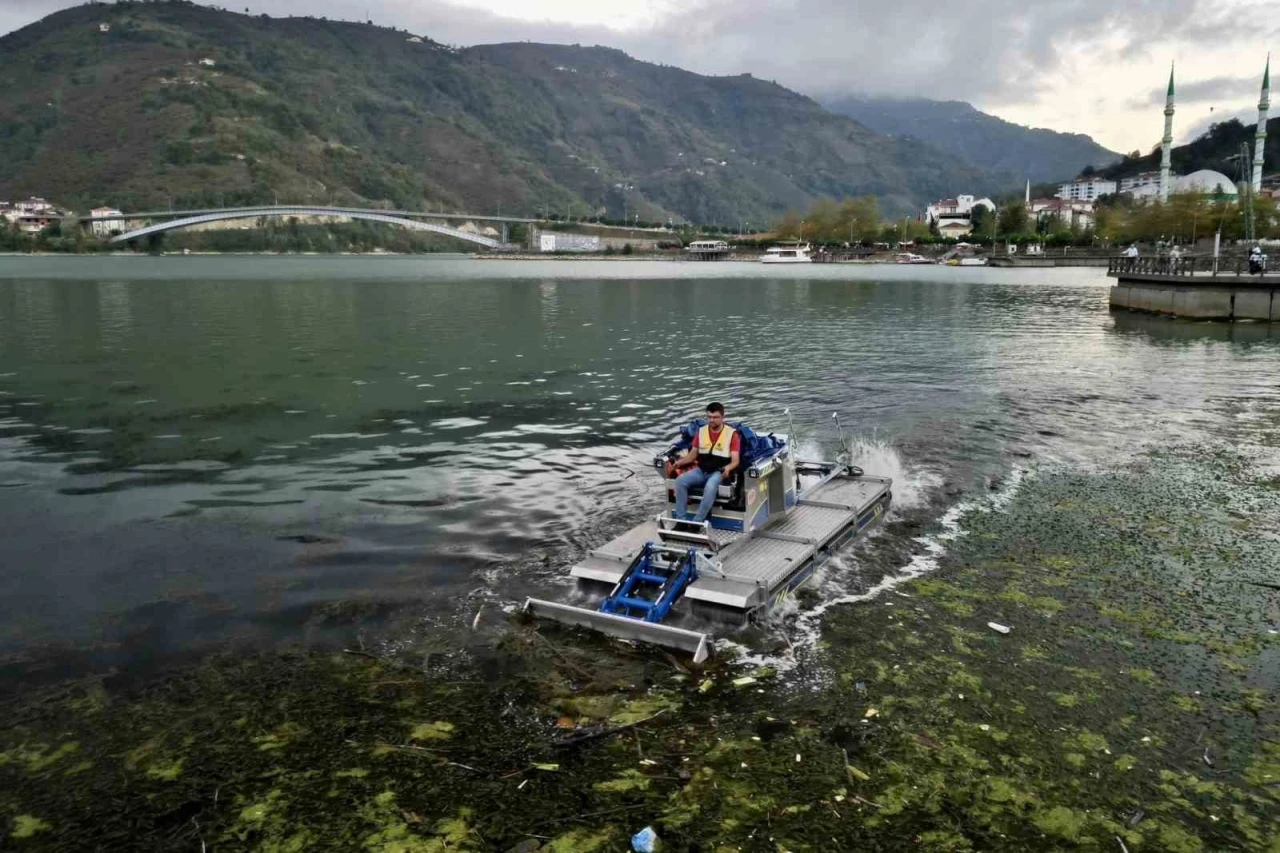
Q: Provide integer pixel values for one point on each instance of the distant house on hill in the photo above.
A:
(953, 217)
(414, 39)
(31, 216)
(103, 229)
(960, 206)
(34, 206)
(1203, 181)
(1067, 213)
(1086, 189)
(104, 28)
(955, 227)
(1139, 181)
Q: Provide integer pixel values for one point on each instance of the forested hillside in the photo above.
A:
(187, 105)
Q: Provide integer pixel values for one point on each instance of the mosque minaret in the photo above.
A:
(1260, 139)
(1166, 144)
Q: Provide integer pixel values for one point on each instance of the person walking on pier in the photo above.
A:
(1131, 257)
(1257, 261)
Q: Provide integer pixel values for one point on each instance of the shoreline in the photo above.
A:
(1053, 263)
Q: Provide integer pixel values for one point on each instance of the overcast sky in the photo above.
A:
(1091, 66)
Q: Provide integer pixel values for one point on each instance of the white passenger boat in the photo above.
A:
(909, 258)
(774, 524)
(787, 253)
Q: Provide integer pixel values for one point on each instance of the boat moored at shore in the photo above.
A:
(788, 253)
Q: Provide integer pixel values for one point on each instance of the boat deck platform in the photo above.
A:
(750, 570)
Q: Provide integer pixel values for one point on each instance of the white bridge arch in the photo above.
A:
(276, 210)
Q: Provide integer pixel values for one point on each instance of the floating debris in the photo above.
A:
(644, 841)
(996, 626)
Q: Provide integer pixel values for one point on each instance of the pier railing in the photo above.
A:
(1188, 265)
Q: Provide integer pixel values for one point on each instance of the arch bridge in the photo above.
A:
(405, 219)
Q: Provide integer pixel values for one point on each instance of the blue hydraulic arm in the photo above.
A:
(645, 573)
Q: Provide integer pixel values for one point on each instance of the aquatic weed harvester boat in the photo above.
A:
(775, 522)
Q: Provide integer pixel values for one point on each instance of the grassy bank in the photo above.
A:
(1132, 706)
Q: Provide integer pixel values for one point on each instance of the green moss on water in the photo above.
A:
(433, 731)
(1144, 676)
(38, 757)
(166, 771)
(1109, 712)
(280, 737)
(25, 826)
(581, 841)
(628, 780)
(1061, 822)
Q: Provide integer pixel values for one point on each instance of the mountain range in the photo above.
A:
(142, 105)
(1010, 152)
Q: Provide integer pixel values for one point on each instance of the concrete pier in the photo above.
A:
(1192, 289)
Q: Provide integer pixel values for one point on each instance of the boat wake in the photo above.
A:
(802, 626)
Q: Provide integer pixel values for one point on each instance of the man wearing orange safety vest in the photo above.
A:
(716, 449)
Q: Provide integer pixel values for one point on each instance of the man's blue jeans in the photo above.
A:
(690, 479)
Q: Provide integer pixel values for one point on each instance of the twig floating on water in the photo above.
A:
(1263, 585)
(577, 739)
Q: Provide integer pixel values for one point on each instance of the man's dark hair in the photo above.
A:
(718, 408)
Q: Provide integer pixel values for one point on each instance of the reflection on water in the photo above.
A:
(295, 451)
(1172, 329)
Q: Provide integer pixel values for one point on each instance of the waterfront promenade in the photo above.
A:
(1197, 288)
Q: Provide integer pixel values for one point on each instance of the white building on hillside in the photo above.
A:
(1068, 214)
(1204, 181)
(34, 207)
(1140, 180)
(31, 216)
(102, 229)
(953, 217)
(960, 207)
(1086, 189)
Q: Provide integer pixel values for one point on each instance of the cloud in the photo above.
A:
(1038, 61)
(1215, 89)
(14, 15)
(993, 49)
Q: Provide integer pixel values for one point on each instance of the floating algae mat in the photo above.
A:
(1132, 706)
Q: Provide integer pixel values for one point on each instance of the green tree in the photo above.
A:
(1013, 219)
(982, 219)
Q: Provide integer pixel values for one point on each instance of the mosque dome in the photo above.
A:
(1205, 181)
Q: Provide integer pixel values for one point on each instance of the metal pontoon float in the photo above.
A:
(774, 524)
